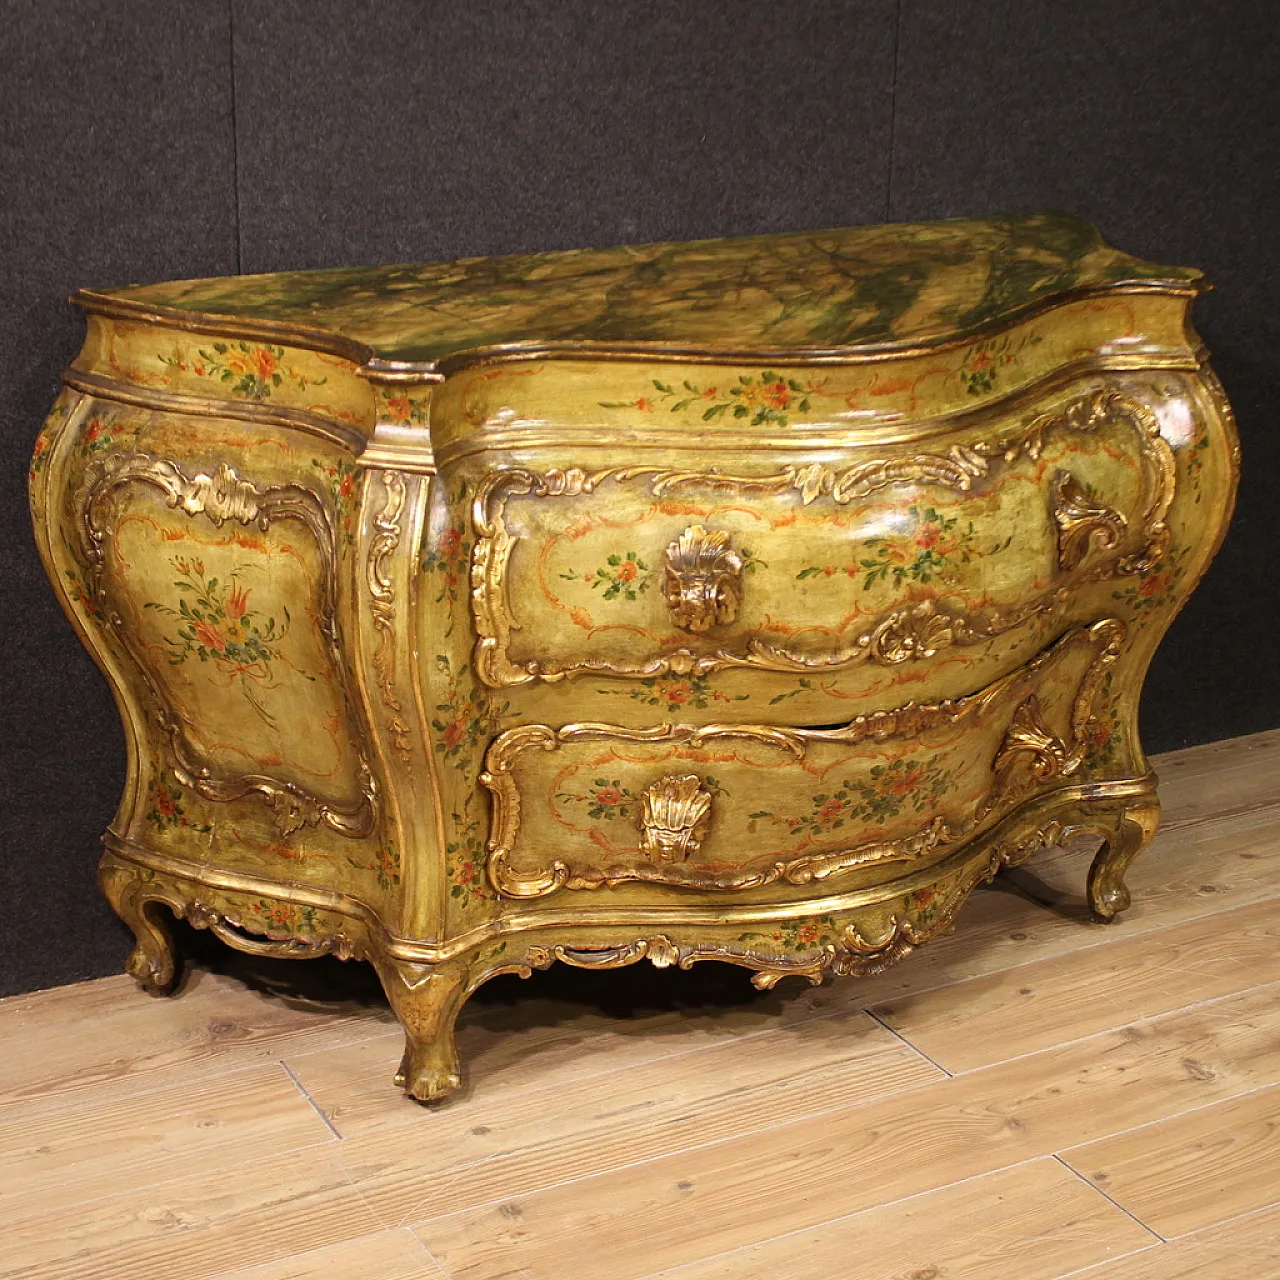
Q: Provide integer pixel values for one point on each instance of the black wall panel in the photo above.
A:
(413, 131)
(116, 164)
(1158, 121)
(162, 138)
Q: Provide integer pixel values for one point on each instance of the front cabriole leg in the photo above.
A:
(155, 962)
(1130, 829)
(426, 999)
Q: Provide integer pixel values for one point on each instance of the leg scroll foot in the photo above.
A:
(1130, 831)
(427, 999)
(154, 963)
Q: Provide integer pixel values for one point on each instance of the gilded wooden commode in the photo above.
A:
(746, 600)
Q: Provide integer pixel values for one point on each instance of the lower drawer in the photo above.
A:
(733, 807)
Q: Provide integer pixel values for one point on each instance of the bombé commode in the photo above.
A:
(746, 600)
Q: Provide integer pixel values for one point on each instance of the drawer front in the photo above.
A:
(738, 807)
(885, 555)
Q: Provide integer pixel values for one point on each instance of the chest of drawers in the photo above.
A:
(745, 600)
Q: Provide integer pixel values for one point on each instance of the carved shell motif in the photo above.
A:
(703, 579)
(1083, 521)
(1027, 740)
(675, 818)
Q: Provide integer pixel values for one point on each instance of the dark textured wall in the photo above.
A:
(163, 138)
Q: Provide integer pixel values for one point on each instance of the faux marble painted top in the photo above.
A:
(897, 284)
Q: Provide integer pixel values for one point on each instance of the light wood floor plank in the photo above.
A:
(697, 1203)
(126, 1042)
(1218, 778)
(78, 1153)
(390, 1255)
(522, 1142)
(1001, 1015)
(1246, 1248)
(196, 1227)
(1192, 1171)
(1034, 1221)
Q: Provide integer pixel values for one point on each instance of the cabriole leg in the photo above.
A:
(1130, 833)
(426, 998)
(155, 962)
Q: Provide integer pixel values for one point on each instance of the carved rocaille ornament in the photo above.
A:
(675, 816)
(732, 602)
(382, 609)
(1083, 521)
(703, 580)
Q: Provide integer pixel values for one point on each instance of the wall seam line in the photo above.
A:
(235, 134)
(893, 110)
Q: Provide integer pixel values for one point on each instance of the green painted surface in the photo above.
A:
(816, 289)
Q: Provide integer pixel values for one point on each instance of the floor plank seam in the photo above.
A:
(1129, 1022)
(1075, 1173)
(384, 1225)
(1096, 1267)
(439, 1266)
(843, 1217)
(315, 1106)
(44, 1103)
(1177, 1115)
(915, 1048)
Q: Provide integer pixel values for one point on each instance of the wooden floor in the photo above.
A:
(1035, 1097)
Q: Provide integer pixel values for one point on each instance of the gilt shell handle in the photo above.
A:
(703, 581)
(675, 817)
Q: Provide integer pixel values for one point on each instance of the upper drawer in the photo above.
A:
(880, 554)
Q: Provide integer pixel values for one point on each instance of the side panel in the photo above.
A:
(207, 564)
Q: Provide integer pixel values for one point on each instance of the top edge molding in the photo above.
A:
(380, 370)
